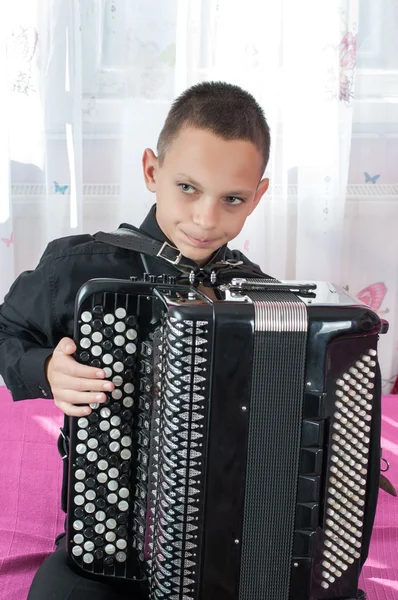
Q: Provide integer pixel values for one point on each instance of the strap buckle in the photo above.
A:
(172, 261)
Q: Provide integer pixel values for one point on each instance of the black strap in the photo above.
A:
(213, 272)
(132, 239)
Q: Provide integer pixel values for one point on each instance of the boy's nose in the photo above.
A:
(206, 216)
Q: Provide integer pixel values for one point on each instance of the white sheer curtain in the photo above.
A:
(89, 82)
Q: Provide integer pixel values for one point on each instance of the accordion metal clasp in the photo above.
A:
(172, 261)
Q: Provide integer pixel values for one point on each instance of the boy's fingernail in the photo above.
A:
(99, 374)
(69, 348)
(86, 411)
(107, 386)
(99, 397)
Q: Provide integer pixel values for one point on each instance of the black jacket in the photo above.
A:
(38, 311)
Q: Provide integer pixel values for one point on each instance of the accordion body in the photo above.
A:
(233, 460)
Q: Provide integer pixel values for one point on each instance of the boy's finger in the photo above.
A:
(67, 346)
(83, 384)
(74, 397)
(71, 410)
(75, 369)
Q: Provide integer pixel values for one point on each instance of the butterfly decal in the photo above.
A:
(373, 295)
(8, 241)
(60, 189)
(370, 179)
(246, 246)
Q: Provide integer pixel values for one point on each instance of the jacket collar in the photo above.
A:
(151, 227)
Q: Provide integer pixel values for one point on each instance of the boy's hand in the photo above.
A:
(73, 383)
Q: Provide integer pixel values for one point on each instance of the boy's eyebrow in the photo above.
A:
(189, 180)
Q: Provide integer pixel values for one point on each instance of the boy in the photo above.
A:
(207, 177)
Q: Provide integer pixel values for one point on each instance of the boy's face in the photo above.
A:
(205, 190)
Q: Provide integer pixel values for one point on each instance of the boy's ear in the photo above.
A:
(261, 189)
(150, 165)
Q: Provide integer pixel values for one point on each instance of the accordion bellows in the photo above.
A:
(231, 461)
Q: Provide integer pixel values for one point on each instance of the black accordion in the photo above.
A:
(234, 459)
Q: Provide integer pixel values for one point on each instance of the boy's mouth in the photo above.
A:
(200, 243)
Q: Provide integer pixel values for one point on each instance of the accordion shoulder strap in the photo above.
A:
(133, 239)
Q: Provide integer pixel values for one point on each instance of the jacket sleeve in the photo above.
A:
(28, 331)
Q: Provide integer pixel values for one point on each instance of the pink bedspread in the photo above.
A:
(30, 517)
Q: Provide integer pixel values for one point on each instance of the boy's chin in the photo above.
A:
(198, 255)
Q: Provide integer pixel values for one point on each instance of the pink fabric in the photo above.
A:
(30, 491)
(30, 517)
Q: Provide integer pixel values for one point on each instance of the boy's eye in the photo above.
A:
(188, 189)
(234, 201)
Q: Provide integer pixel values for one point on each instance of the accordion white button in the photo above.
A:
(111, 523)
(108, 372)
(110, 549)
(77, 551)
(85, 343)
(131, 334)
(115, 434)
(97, 337)
(118, 367)
(121, 544)
(120, 327)
(82, 422)
(123, 505)
(128, 402)
(112, 498)
(117, 394)
(90, 495)
(114, 446)
(88, 558)
(119, 340)
(131, 348)
(109, 319)
(107, 359)
(102, 477)
(115, 420)
(99, 528)
(96, 350)
(100, 515)
(85, 329)
(113, 472)
(125, 454)
(120, 313)
(117, 380)
(110, 536)
(104, 425)
(124, 493)
(103, 465)
(80, 474)
(78, 538)
(89, 546)
(79, 487)
(86, 316)
(78, 525)
(113, 485)
(105, 412)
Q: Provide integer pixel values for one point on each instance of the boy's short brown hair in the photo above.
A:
(226, 110)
